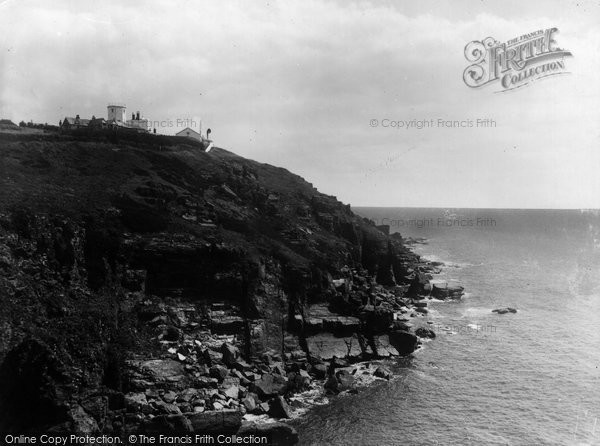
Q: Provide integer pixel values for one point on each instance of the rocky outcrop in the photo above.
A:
(444, 290)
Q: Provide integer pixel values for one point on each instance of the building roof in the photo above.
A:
(188, 132)
(73, 121)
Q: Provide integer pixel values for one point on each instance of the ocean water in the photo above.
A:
(530, 378)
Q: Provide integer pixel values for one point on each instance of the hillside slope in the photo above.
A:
(132, 270)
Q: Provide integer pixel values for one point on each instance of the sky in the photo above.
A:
(310, 86)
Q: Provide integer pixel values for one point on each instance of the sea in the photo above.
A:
(528, 378)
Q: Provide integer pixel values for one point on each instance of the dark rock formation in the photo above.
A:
(446, 291)
(278, 408)
(405, 343)
(423, 332)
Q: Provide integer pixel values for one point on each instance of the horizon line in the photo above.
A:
(479, 208)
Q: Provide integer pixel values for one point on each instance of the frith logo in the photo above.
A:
(515, 63)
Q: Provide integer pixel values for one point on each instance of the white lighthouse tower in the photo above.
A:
(116, 112)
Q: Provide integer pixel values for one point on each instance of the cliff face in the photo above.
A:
(116, 254)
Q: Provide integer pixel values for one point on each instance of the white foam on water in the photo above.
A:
(257, 418)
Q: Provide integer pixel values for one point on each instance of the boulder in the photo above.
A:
(417, 284)
(403, 326)
(218, 405)
(218, 372)
(169, 397)
(212, 357)
(338, 362)
(270, 385)
(278, 369)
(377, 319)
(331, 384)
(187, 395)
(206, 382)
(405, 343)
(423, 332)
(163, 370)
(382, 372)
(244, 381)
(241, 365)
(249, 403)
(345, 380)
(298, 381)
(341, 381)
(230, 354)
(232, 392)
(166, 408)
(136, 402)
(278, 408)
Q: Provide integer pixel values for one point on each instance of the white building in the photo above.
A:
(116, 112)
(189, 133)
(138, 123)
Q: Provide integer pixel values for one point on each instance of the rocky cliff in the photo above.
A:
(151, 285)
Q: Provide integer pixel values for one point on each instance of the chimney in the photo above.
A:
(133, 116)
(138, 116)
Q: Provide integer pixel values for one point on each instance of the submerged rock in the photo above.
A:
(504, 310)
(423, 332)
(382, 372)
